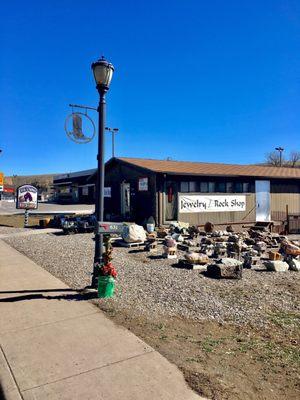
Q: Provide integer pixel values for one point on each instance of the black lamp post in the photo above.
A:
(280, 149)
(103, 72)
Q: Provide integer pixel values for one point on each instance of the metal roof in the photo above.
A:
(212, 169)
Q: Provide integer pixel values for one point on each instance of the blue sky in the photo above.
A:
(194, 80)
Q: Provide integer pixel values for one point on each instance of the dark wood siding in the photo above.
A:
(142, 203)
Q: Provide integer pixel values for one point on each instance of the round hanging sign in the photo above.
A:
(80, 127)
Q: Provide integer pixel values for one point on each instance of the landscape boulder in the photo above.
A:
(196, 258)
(277, 266)
(226, 268)
(133, 234)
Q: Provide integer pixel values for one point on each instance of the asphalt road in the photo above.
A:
(9, 208)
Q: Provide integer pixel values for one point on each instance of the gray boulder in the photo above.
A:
(229, 262)
(277, 266)
(226, 268)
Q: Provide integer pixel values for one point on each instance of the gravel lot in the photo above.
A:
(150, 286)
(4, 230)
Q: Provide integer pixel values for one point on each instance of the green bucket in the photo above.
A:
(106, 286)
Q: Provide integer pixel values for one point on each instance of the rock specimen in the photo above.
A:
(170, 242)
(294, 264)
(225, 268)
(289, 248)
(196, 258)
(277, 266)
(133, 233)
(209, 227)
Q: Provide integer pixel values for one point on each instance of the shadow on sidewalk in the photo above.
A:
(38, 294)
(2, 392)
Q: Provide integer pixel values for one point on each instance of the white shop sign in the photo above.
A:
(107, 192)
(143, 184)
(205, 203)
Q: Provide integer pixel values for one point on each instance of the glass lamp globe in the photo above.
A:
(103, 72)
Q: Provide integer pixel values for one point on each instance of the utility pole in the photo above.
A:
(280, 149)
(113, 131)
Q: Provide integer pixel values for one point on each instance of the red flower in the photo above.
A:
(108, 270)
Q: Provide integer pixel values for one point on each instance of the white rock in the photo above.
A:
(294, 264)
(230, 262)
(133, 233)
(177, 237)
(277, 266)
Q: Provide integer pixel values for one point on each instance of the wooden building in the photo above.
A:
(193, 192)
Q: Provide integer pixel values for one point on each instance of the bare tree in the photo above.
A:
(294, 159)
(273, 158)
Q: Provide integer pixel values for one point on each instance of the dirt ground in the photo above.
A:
(17, 221)
(251, 353)
(223, 361)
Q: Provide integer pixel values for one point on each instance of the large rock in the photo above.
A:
(196, 258)
(277, 266)
(294, 264)
(230, 262)
(133, 233)
(227, 268)
(289, 248)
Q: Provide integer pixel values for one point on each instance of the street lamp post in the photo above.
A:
(103, 72)
(280, 149)
(113, 131)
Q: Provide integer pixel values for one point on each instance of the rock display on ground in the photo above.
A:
(133, 233)
(277, 266)
(251, 248)
(226, 268)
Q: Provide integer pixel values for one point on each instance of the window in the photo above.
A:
(192, 186)
(211, 187)
(204, 187)
(229, 187)
(246, 187)
(238, 187)
(184, 187)
(221, 187)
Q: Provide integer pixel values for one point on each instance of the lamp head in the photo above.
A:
(103, 72)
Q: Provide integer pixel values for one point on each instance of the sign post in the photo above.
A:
(107, 228)
(27, 199)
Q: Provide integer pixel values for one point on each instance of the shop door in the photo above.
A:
(263, 206)
(171, 199)
(125, 199)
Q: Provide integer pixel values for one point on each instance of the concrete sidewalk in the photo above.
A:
(54, 346)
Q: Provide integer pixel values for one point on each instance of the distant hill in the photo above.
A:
(43, 182)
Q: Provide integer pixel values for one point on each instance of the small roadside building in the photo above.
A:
(194, 192)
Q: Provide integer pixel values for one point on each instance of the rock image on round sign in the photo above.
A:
(27, 197)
